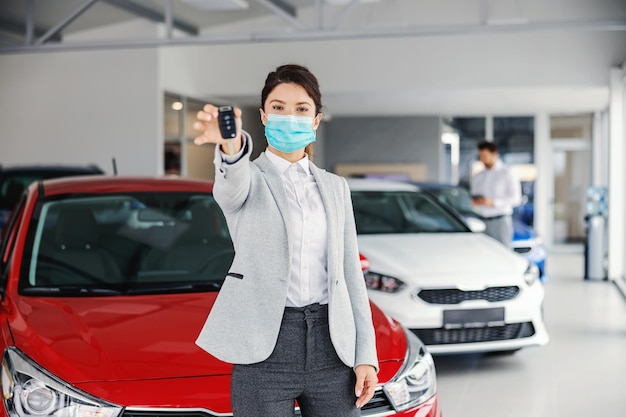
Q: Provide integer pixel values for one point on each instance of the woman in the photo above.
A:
(293, 314)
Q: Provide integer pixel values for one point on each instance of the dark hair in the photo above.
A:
(296, 74)
(488, 145)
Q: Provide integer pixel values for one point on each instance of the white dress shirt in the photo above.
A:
(308, 282)
(308, 278)
(499, 184)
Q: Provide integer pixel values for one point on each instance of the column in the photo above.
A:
(617, 177)
(544, 184)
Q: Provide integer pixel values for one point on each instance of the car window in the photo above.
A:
(457, 198)
(401, 212)
(140, 243)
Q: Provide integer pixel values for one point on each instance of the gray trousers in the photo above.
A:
(304, 366)
(500, 228)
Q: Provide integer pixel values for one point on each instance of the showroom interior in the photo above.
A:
(409, 89)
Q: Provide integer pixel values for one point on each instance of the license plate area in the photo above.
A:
(473, 318)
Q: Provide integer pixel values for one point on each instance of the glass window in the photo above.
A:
(378, 212)
(181, 155)
(172, 106)
(515, 137)
(471, 130)
(139, 243)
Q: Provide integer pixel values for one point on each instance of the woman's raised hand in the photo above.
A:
(207, 123)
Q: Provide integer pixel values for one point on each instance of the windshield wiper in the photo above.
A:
(71, 291)
(176, 287)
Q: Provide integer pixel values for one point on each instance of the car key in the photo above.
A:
(228, 128)
(226, 120)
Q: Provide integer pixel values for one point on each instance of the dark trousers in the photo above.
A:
(303, 366)
(500, 228)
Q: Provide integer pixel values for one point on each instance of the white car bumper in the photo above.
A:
(522, 324)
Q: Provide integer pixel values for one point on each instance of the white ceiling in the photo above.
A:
(469, 23)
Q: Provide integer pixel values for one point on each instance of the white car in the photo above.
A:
(458, 291)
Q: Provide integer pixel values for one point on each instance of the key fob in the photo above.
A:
(226, 121)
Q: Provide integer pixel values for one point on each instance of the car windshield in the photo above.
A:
(141, 243)
(379, 212)
(457, 198)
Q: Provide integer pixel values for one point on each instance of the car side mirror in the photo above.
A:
(475, 225)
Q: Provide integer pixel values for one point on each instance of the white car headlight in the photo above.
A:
(531, 275)
(416, 382)
(384, 283)
(28, 390)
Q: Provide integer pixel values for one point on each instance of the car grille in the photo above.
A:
(523, 249)
(456, 296)
(379, 405)
(486, 334)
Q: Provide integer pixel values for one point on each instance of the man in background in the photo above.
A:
(495, 191)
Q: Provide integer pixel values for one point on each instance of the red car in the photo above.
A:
(106, 282)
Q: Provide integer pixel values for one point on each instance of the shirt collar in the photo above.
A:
(283, 165)
(498, 165)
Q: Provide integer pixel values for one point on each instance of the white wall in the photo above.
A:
(82, 107)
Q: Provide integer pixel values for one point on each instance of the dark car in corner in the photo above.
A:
(15, 179)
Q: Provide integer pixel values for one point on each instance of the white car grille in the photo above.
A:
(457, 296)
(486, 334)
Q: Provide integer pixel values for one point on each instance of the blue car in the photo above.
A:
(525, 240)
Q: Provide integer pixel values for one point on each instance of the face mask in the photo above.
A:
(288, 133)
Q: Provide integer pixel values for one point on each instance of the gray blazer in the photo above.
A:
(243, 324)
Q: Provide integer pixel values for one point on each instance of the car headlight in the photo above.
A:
(531, 275)
(384, 283)
(28, 390)
(416, 382)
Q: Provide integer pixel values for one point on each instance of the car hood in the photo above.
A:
(91, 339)
(116, 338)
(443, 258)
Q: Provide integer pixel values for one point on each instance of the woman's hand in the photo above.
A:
(207, 123)
(366, 381)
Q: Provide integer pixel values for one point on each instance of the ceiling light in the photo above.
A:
(177, 105)
(216, 5)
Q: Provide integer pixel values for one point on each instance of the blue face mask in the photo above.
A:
(288, 133)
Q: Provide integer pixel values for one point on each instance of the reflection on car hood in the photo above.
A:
(116, 338)
(443, 258)
(150, 337)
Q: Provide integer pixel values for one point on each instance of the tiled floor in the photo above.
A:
(580, 373)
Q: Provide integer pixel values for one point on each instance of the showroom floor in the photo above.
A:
(581, 372)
